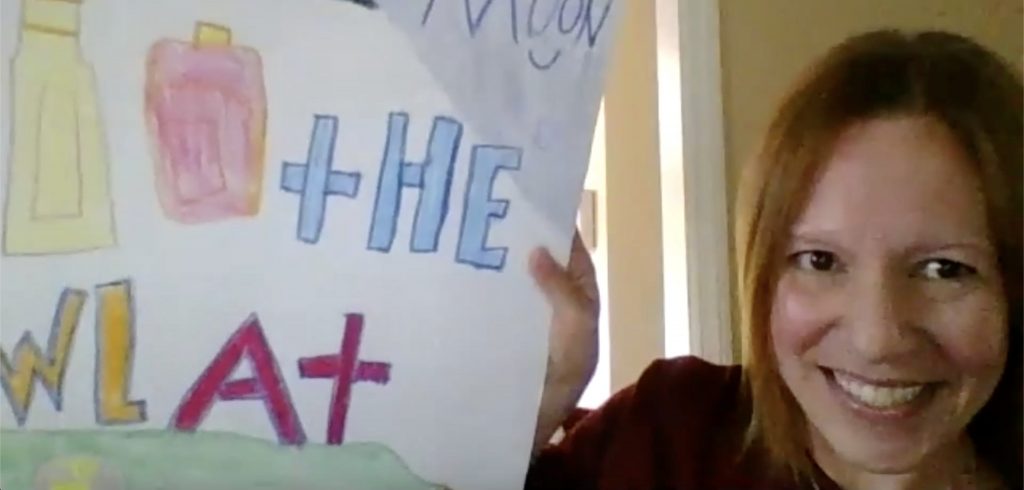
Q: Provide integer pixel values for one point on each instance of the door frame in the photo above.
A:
(708, 265)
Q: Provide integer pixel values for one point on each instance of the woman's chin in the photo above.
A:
(893, 454)
(883, 461)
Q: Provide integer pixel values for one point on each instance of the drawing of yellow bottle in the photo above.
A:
(58, 190)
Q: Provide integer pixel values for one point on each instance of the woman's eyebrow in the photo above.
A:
(983, 247)
(822, 236)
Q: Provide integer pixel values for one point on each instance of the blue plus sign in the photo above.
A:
(315, 180)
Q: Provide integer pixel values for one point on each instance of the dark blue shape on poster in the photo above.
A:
(370, 4)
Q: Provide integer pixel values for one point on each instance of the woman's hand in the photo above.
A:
(572, 351)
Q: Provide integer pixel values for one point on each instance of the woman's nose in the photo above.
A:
(880, 317)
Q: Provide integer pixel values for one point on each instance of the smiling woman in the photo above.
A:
(880, 246)
(882, 272)
(889, 328)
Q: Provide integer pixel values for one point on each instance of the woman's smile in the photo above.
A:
(881, 400)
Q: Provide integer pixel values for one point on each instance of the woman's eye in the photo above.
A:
(946, 269)
(816, 260)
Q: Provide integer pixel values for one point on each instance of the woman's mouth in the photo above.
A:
(880, 399)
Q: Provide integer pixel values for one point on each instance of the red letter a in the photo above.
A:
(266, 385)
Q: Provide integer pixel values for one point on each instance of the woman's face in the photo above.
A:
(889, 319)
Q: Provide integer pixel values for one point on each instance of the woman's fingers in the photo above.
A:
(552, 279)
(573, 295)
(573, 287)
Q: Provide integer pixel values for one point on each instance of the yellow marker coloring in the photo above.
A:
(58, 190)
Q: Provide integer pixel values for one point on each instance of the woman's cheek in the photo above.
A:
(802, 310)
(972, 331)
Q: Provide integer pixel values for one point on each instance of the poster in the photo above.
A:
(255, 244)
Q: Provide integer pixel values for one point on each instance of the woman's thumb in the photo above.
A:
(552, 279)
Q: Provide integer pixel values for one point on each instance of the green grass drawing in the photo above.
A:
(161, 460)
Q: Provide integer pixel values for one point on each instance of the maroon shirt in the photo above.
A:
(680, 426)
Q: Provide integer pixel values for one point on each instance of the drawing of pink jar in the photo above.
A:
(206, 115)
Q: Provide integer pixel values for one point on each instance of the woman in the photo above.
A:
(879, 235)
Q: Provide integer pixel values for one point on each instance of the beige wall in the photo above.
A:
(765, 43)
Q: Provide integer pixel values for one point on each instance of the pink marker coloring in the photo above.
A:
(206, 115)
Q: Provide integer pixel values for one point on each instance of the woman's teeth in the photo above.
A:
(875, 396)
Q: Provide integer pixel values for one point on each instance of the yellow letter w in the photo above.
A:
(29, 363)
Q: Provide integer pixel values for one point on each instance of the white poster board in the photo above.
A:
(282, 244)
